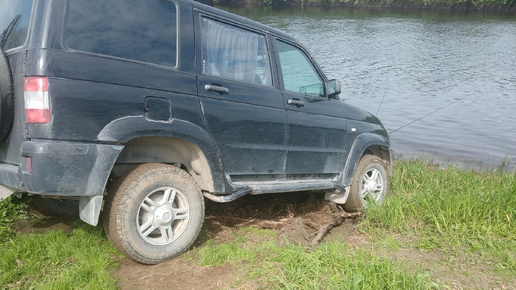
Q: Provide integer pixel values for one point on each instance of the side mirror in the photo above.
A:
(333, 90)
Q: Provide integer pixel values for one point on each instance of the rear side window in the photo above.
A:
(131, 29)
(14, 22)
(235, 53)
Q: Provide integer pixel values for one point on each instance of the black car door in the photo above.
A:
(316, 146)
(243, 110)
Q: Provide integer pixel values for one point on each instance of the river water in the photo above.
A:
(443, 84)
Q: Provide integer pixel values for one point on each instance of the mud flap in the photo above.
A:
(89, 208)
(5, 192)
(339, 196)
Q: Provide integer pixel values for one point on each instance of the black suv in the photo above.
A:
(139, 110)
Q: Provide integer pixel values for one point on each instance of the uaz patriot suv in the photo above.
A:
(139, 110)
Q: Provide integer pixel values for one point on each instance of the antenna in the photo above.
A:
(431, 113)
(388, 86)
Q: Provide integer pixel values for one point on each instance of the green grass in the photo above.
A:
(452, 210)
(11, 210)
(54, 260)
(437, 2)
(336, 266)
(247, 244)
(464, 219)
(329, 266)
(467, 219)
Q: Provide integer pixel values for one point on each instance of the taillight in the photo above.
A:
(37, 105)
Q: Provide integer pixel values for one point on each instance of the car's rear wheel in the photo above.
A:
(370, 185)
(6, 97)
(154, 214)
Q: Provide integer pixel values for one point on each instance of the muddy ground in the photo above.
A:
(298, 217)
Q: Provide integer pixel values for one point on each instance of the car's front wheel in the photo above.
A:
(154, 214)
(370, 185)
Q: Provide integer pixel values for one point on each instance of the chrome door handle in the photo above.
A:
(216, 88)
(296, 102)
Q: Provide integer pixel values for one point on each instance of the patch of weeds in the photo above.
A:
(451, 209)
(391, 243)
(246, 244)
(429, 243)
(387, 241)
(56, 260)
(329, 266)
(11, 209)
(507, 259)
(336, 266)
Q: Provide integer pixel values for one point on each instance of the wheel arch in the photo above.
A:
(366, 143)
(177, 142)
(158, 149)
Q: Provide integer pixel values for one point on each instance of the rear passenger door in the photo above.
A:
(243, 110)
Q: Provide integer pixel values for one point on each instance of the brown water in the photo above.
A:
(443, 84)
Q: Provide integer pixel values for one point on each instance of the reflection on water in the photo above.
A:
(443, 84)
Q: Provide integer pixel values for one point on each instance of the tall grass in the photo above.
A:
(54, 260)
(451, 209)
(11, 209)
(332, 265)
(247, 244)
(473, 4)
(429, 208)
(335, 266)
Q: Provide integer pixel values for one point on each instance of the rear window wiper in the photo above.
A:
(7, 32)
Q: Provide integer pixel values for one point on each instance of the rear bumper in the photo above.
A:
(61, 168)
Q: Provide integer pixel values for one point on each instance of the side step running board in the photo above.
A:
(271, 187)
(227, 198)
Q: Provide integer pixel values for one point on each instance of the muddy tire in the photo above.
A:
(54, 207)
(154, 213)
(370, 184)
(6, 97)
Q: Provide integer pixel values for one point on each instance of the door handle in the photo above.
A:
(216, 88)
(296, 102)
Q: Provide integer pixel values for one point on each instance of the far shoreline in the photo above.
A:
(468, 6)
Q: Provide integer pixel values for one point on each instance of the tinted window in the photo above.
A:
(131, 29)
(14, 22)
(235, 53)
(298, 72)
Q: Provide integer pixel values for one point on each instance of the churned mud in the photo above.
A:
(295, 217)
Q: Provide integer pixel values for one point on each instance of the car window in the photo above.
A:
(131, 29)
(298, 72)
(235, 53)
(14, 22)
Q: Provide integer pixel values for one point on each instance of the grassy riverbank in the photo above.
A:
(504, 6)
(440, 227)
